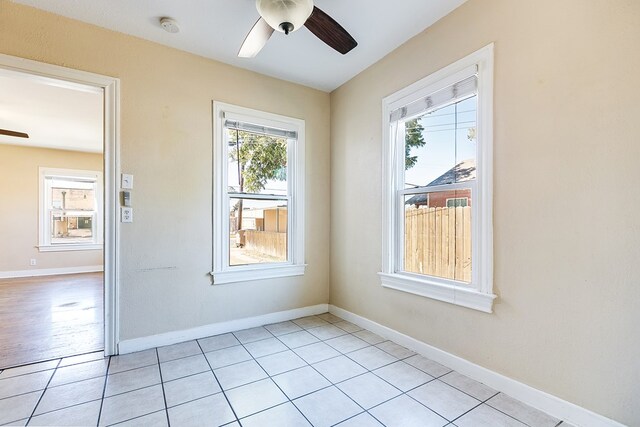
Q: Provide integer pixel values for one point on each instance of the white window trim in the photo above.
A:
(44, 231)
(480, 295)
(223, 273)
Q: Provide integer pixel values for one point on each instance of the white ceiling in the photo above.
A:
(55, 114)
(216, 29)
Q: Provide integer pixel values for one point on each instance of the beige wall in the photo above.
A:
(166, 137)
(19, 196)
(567, 103)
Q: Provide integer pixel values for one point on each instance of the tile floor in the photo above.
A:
(318, 370)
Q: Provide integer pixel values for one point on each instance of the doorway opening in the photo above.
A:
(58, 168)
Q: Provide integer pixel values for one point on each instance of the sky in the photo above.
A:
(445, 147)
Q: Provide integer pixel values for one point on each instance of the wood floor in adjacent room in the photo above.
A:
(50, 317)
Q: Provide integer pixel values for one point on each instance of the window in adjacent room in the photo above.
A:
(70, 210)
(258, 190)
(437, 185)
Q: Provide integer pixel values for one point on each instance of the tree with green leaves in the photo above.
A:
(259, 159)
(413, 138)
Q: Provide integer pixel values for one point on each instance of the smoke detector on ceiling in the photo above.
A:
(169, 25)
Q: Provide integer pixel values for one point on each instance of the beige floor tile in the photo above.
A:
(85, 414)
(214, 409)
(190, 388)
(18, 407)
(123, 382)
(71, 394)
(133, 404)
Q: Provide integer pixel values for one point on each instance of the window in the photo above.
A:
(70, 210)
(461, 202)
(437, 239)
(258, 195)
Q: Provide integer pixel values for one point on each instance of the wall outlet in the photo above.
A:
(32, 262)
(126, 214)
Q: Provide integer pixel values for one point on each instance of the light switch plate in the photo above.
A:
(126, 214)
(126, 181)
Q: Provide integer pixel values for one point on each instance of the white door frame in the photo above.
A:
(111, 87)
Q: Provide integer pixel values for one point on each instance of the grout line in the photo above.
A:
(43, 392)
(28, 373)
(164, 396)
(483, 402)
(67, 407)
(509, 415)
(197, 398)
(233, 411)
(50, 360)
(275, 383)
(104, 390)
(135, 418)
(353, 416)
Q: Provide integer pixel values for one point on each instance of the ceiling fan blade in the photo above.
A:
(13, 133)
(330, 32)
(256, 39)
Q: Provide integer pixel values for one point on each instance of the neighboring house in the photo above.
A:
(463, 171)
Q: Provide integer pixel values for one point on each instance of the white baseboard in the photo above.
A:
(50, 271)
(167, 338)
(538, 399)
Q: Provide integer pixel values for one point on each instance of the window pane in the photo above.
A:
(257, 163)
(437, 234)
(76, 199)
(71, 228)
(440, 146)
(258, 231)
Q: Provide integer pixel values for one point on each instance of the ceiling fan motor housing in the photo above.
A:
(285, 15)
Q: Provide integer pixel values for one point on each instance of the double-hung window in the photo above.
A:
(258, 195)
(70, 210)
(437, 239)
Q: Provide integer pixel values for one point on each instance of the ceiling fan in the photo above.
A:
(13, 133)
(287, 16)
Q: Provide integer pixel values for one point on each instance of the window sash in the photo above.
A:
(265, 129)
(50, 182)
(256, 196)
(74, 214)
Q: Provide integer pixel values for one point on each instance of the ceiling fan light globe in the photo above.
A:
(278, 12)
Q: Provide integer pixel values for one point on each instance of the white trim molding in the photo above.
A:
(50, 271)
(478, 294)
(222, 272)
(453, 294)
(110, 86)
(265, 272)
(168, 338)
(73, 247)
(552, 405)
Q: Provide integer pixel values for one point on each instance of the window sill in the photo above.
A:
(69, 247)
(439, 291)
(248, 274)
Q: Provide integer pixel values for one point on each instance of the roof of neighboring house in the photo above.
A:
(463, 171)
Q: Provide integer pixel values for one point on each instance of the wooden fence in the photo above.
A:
(267, 242)
(437, 242)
